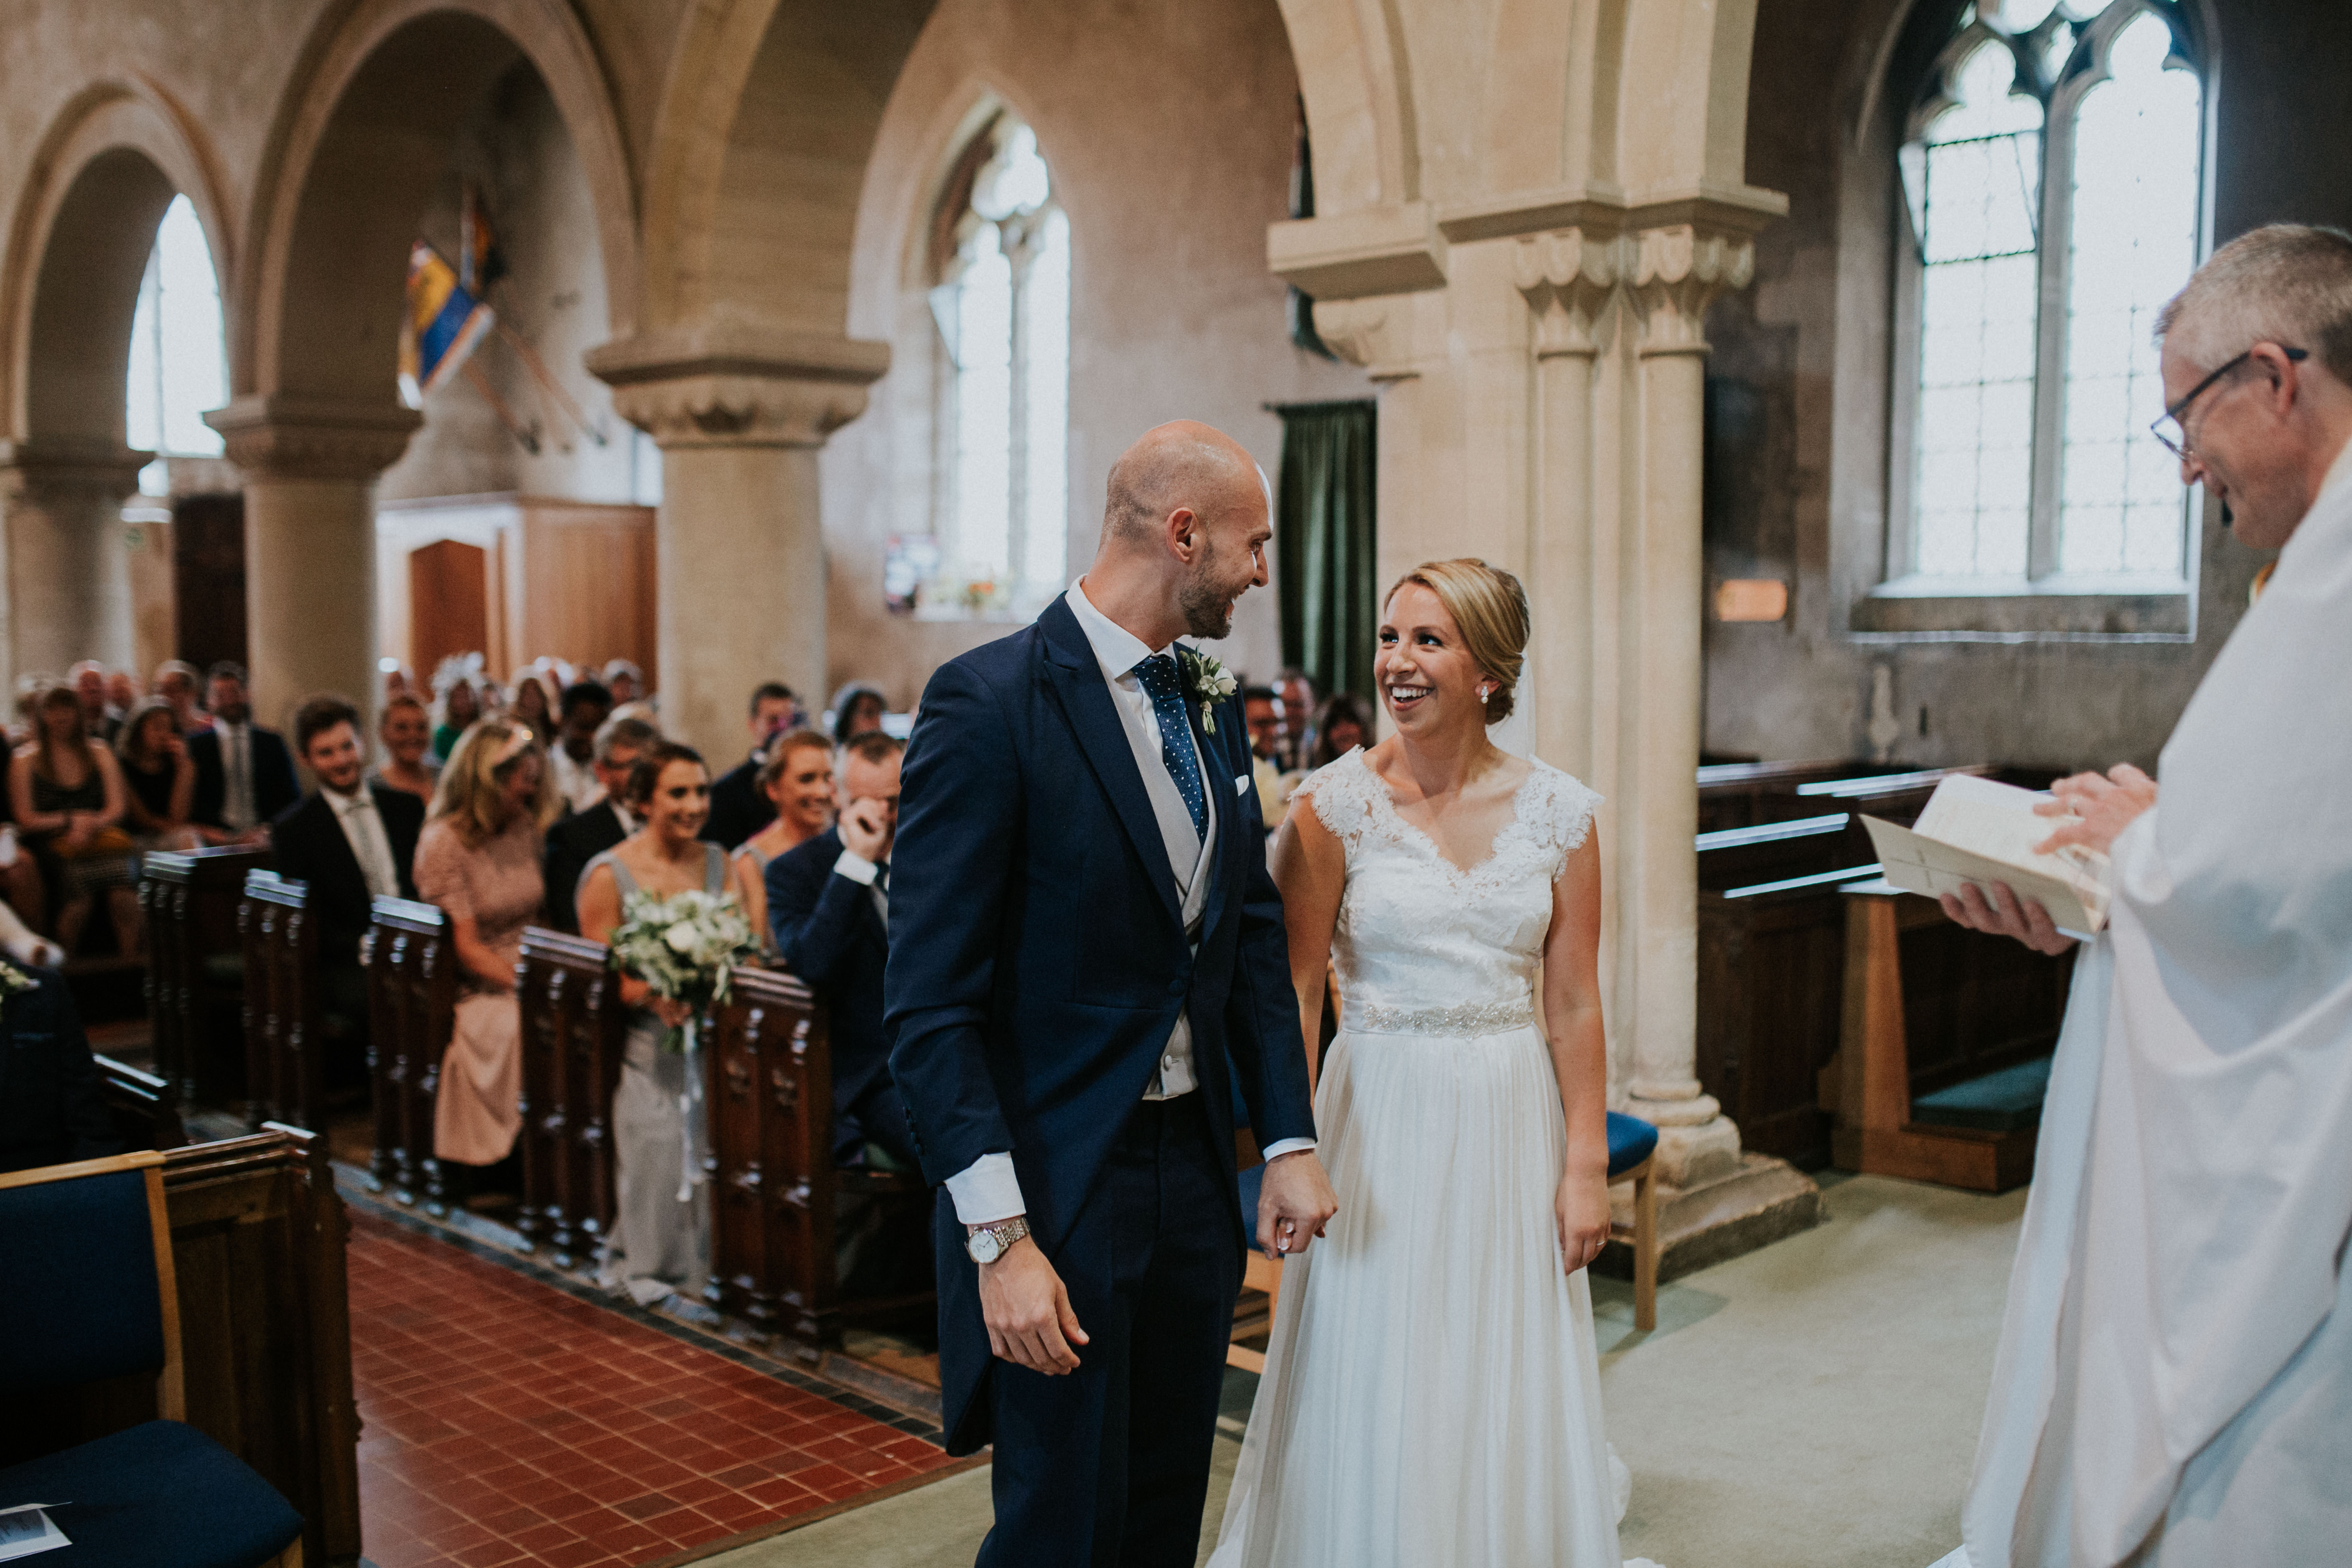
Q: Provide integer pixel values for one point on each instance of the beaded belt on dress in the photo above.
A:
(1464, 1019)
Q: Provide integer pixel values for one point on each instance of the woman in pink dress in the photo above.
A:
(478, 859)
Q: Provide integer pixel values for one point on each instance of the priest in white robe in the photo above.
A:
(2174, 1383)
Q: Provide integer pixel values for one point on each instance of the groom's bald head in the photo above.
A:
(1183, 465)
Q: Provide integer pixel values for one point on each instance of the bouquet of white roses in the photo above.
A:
(685, 947)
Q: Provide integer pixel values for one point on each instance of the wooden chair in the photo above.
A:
(411, 960)
(1634, 1143)
(93, 1296)
(574, 1031)
(196, 976)
(285, 1026)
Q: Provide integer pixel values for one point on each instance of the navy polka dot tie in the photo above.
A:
(1165, 686)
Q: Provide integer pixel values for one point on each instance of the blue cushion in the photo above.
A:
(81, 1301)
(1631, 1141)
(2009, 1101)
(162, 1495)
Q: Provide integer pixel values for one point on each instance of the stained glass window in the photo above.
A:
(179, 359)
(2052, 181)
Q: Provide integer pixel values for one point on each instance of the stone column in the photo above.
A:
(68, 578)
(311, 467)
(739, 414)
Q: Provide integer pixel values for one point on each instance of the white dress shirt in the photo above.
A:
(576, 782)
(988, 1190)
(363, 828)
(236, 774)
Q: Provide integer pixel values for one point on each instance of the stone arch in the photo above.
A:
(349, 163)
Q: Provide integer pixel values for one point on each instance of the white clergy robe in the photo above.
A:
(2174, 1383)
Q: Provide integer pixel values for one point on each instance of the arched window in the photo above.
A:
(179, 359)
(2053, 179)
(1003, 308)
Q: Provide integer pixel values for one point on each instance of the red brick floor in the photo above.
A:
(509, 1423)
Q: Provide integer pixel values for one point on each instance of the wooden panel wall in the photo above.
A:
(448, 601)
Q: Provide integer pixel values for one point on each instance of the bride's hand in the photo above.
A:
(669, 1010)
(1580, 1215)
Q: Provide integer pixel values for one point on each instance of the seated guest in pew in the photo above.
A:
(582, 712)
(478, 859)
(737, 810)
(661, 1226)
(159, 779)
(405, 729)
(797, 780)
(624, 680)
(829, 916)
(67, 795)
(182, 685)
(351, 842)
(245, 775)
(52, 1100)
(581, 836)
(857, 708)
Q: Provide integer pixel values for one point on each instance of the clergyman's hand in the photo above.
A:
(1294, 1204)
(1027, 1311)
(2005, 914)
(2099, 808)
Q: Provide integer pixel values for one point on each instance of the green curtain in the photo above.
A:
(1323, 544)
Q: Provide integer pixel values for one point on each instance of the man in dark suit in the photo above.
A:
(245, 775)
(52, 1102)
(1088, 959)
(581, 836)
(828, 912)
(738, 809)
(352, 841)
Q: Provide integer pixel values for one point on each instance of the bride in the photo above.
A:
(1432, 1392)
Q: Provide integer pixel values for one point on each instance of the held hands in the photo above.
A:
(1580, 1216)
(866, 829)
(1295, 1204)
(1027, 1311)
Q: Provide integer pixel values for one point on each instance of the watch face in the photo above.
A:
(984, 1246)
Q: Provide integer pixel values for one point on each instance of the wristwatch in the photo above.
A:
(991, 1242)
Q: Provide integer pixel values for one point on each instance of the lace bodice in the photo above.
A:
(1423, 947)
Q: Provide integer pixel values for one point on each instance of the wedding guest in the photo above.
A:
(245, 775)
(88, 680)
(397, 683)
(478, 859)
(182, 685)
(1262, 712)
(527, 703)
(405, 730)
(26, 722)
(829, 917)
(121, 691)
(1299, 711)
(159, 778)
(858, 710)
(352, 841)
(579, 837)
(624, 680)
(52, 1100)
(737, 808)
(661, 1228)
(586, 704)
(459, 704)
(66, 795)
(797, 781)
(1339, 728)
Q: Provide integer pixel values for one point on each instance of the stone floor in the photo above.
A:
(1811, 1406)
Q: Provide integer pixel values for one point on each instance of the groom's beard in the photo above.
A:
(1208, 608)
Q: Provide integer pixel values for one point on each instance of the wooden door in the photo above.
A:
(208, 577)
(448, 604)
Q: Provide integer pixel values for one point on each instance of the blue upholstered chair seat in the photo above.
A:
(1631, 1141)
(162, 1495)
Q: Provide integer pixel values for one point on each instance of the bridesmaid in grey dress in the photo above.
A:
(661, 1233)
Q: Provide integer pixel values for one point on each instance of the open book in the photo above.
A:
(1975, 830)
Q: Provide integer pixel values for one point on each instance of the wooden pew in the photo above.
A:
(775, 1193)
(1925, 1005)
(412, 966)
(285, 1028)
(195, 974)
(1732, 794)
(259, 1246)
(574, 1031)
(145, 1114)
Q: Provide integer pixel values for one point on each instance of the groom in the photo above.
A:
(1087, 963)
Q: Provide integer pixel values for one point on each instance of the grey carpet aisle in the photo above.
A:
(1811, 1406)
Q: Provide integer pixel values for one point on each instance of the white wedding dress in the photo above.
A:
(1432, 1390)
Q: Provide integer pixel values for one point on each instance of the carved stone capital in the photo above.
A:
(733, 383)
(1568, 277)
(1376, 333)
(47, 467)
(286, 436)
(1678, 269)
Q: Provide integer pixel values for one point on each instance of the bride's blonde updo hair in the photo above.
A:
(1491, 609)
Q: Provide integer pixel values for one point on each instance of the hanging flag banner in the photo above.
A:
(445, 320)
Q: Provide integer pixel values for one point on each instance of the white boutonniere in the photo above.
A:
(14, 980)
(1209, 682)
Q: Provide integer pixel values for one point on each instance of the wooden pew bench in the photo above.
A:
(195, 977)
(285, 1026)
(411, 960)
(575, 1030)
(145, 1113)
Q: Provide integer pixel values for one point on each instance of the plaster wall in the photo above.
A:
(1169, 132)
(1797, 432)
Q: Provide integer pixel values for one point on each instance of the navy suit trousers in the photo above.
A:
(1109, 1465)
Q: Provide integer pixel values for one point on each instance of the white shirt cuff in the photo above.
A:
(987, 1190)
(860, 870)
(1281, 1146)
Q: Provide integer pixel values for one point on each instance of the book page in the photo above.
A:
(1998, 822)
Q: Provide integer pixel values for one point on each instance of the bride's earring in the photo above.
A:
(1486, 689)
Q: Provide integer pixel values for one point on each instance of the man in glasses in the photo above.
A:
(2174, 1384)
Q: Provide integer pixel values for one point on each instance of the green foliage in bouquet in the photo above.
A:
(685, 947)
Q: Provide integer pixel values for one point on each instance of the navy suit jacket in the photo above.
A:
(1038, 958)
(52, 1102)
(831, 935)
(274, 786)
(307, 845)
